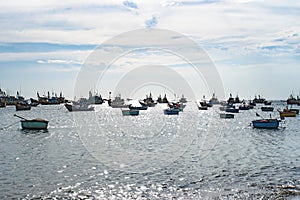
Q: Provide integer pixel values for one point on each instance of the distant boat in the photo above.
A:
(232, 100)
(232, 110)
(244, 107)
(267, 109)
(2, 104)
(266, 123)
(226, 116)
(182, 99)
(95, 99)
(267, 103)
(202, 107)
(204, 103)
(34, 124)
(130, 112)
(148, 101)
(292, 100)
(214, 100)
(176, 105)
(142, 107)
(259, 99)
(165, 100)
(294, 110)
(286, 113)
(171, 111)
(78, 107)
(22, 106)
(118, 102)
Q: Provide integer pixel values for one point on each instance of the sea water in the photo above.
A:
(104, 155)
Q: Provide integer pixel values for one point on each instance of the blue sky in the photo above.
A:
(254, 44)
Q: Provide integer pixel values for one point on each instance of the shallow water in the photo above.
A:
(104, 155)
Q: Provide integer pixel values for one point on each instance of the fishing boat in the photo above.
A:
(294, 110)
(266, 123)
(182, 99)
(287, 114)
(204, 103)
(214, 100)
(130, 112)
(118, 102)
(2, 104)
(292, 100)
(226, 116)
(142, 107)
(202, 107)
(244, 107)
(232, 110)
(22, 106)
(148, 101)
(171, 111)
(34, 124)
(259, 99)
(78, 107)
(165, 99)
(268, 103)
(267, 109)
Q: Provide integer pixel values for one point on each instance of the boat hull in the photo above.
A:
(171, 112)
(34, 124)
(266, 124)
(226, 116)
(232, 110)
(287, 114)
(130, 112)
(267, 109)
(20, 107)
(74, 108)
(202, 107)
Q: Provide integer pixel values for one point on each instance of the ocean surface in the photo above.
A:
(104, 155)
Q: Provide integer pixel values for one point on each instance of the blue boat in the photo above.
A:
(266, 123)
(130, 112)
(244, 107)
(171, 111)
(232, 110)
(267, 109)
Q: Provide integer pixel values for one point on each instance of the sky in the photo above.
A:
(254, 45)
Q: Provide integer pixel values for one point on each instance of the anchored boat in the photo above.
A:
(33, 124)
(266, 123)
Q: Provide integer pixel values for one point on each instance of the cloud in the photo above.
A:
(130, 4)
(152, 22)
(60, 62)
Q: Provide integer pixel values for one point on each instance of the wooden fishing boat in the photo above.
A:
(267, 109)
(266, 123)
(130, 112)
(2, 104)
(142, 107)
(294, 110)
(202, 107)
(287, 114)
(22, 107)
(78, 107)
(226, 116)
